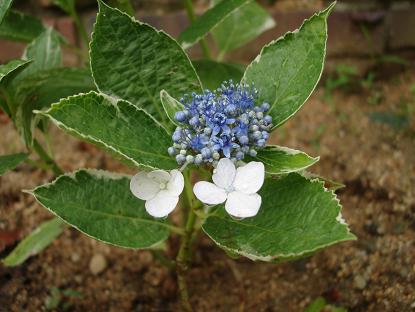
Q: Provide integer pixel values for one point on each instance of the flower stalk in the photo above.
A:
(184, 255)
(192, 17)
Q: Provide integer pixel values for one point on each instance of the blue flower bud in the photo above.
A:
(198, 159)
(206, 152)
(265, 135)
(239, 155)
(252, 153)
(261, 142)
(265, 107)
(260, 115)
(180, 159)
(171, 150)
(207, 131)
(254, 128)
(243, 140)
(257, 135)
(268, 119)
(180, 116)
(176, 137)
(190, 159)
(194, 121)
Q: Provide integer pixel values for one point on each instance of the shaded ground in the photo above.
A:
(369, 147)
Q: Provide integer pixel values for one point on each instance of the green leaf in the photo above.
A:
(282, 160)
(100, 204)
(18, 26)
(12, 67)
(317, 305)
(212, 17)
(329, 184)
(117, 126)
(45, 51)
(297, 217)
(288, 69)
(170, 105)
(4, 7)
(66, 5)
(43, 88)
(134, 62)
(241, 26)
(212, 73)
(35, 242)
(9, 162)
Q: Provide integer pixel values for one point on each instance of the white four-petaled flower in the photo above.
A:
(238, 187)
(160, 189)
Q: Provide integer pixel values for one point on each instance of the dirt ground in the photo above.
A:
(365, 140)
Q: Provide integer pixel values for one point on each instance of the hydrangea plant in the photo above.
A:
(206, 149)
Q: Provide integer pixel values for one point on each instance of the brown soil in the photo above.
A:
(374, 273)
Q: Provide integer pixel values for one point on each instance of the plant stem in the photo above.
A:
(183, 256)
(192, 17)
(46, 158)
(9, 102)
(80, 26)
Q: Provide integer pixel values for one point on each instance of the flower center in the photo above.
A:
(162, 186)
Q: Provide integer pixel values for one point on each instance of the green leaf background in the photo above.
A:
(287, 70)
(297, 217)
(100, 204)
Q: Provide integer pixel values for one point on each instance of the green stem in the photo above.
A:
(46, 158)
(192, 17)
(9, 102)
(183, 256)
(80, 26)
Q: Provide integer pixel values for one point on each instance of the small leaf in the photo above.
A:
(41, 89)
(9, 162)
(12, 67)
(297, 217)
(4, 7)
(116, 126)
(170, 105)
(20, 27)
(66, 5)
(100, 204)
(35, 242)
(212, 73)
(212, 17)
(329, 184)
(45, 52)
(241, 26)
(133, 61)
(288, 69)
(282, 160)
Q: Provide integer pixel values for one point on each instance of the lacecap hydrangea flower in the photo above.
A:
(160, 189)
(238, 187)
(222, 123)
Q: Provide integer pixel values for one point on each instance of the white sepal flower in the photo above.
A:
(238, 187)
(160, 189)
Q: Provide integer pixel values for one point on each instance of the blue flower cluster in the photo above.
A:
(222, 123)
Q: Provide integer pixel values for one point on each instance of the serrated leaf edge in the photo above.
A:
(158, 31)
(290, 151)
(86, 137)
(269, 258)
(326, 11)
(97, 173)
(185, 45)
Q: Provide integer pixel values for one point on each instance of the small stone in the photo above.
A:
(97, 264)
(359, 282)
(75, 257)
